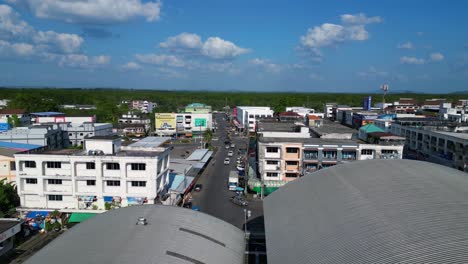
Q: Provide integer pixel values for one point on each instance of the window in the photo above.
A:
(54, 181)
(90, 165)
(367, 152)
(329, 154)
(349, 155)
(272, 149)
(138, 184)
(31, 181)
(70, 134)
(113, 183)
(12, 165)
(55, 197)
(138, 166)
(388, 151)
(112, 166)
(29, 164)
(291, 175)
(291, 163)
(292, 150)
(272, 162)
(251, 122)
(311, 154)
(251, 116)
(90, 182)
(272, 174)
(81, 134)
(54, 164)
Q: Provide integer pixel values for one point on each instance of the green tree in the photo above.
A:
(9, 199)
(14, 121)
(208, 135)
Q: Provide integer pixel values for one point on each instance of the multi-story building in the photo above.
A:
(247, 116)
(51, 136)
(76, 133)
(449, 148)
(6, 116)
(188, 124)
(64, 119)
(328, 109)
(303, 111)
(432, 104)
(7, 158)
(103, 175)
(144, 106)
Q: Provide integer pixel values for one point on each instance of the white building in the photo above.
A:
(65, 119)
(144, 106)
(303, 111)
(43, 135)
(78, 132)
(328, 109)
(104, 174)
(5, 114)
(247, 115)
(168, 124)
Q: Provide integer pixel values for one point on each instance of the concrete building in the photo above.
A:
(43, 135)
(7, 114)
(143, 106)
(75, 133)
(188, 124)
(443, 147)
(432, 104)
(64, 119)
(166, 234)
(247, 116)
(379, 211)
(132, 118)
(303, 111)
(103, 175)
(79, 107)
(4, 103)
(197, 108)
(7, 158)
(35, 117)
(314, 121)
(328, 109)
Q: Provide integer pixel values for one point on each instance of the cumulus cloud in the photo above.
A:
(65, 42)
(78, 60)
(328, 34)
(18, 49)
(131, 66)
(93, 11)
(436, 56)
(160, 59)
(411, 60)
(406, 45)
(265, 64)
(11, 25)
(213, 47)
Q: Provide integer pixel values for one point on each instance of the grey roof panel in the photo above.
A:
(379, 211)
(114, 237)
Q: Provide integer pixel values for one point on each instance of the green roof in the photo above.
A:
(371, 128)
(80, 217)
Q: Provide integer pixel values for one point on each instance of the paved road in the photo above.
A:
(214, 197)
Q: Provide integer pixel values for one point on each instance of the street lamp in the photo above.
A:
(247, 214)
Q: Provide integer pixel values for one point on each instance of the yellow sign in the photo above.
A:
(165, 121)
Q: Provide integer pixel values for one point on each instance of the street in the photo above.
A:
(214, 197)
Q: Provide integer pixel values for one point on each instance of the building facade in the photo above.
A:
(248, 115)
(104, 174)
(188, 124)
(51, 136)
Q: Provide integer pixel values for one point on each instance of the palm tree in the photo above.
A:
(207, 136)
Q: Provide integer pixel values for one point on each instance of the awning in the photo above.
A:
(80, 217)
(34, 214)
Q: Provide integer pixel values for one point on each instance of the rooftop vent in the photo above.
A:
(141, 221)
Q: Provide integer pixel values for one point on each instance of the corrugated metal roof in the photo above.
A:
(150, 142)
(19, 146)
(207, 156)
(379, 211)
(172, 235)
(47, 113)
(198, 154)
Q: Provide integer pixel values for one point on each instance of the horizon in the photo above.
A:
(240, 46)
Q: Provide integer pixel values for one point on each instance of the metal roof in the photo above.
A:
(47, 113)
(172, 235)
(198, 154)
(378, 211)
(18, 146)
(150, 142)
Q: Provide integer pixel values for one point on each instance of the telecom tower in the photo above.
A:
(384, 88)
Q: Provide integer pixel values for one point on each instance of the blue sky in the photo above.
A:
(335, 46)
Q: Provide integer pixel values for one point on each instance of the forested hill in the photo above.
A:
(107, 100)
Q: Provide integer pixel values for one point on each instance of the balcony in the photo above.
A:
(310, 155)
(274, 155)
(348, 155)
(330, 155)
(292, 167)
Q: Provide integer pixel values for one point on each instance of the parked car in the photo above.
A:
(239, 200)
(240, 168)
(198, 187)
(227, 161)
(233, 145)
(227, 146)
(230, 153)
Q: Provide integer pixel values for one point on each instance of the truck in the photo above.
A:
(233, 181)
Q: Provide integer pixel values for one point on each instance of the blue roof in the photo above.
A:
(13, 145)
(196, 105)
(47, 113)
(34, 214)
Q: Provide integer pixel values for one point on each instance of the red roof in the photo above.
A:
(12, 111)
(294, 114)
(313, 117)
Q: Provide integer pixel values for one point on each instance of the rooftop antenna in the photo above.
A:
(384, 88)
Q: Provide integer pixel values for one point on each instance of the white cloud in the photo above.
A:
(67, 43)
(437, 56)
(406, 45)
(213, 47)
(11, 25)
(131, 66)
(266, 64)
(15, 49)
(328, 34)
(372, 72)
(360, 19)
(78, 60)
(411, 60)
(218, 48)
(182, 41)
(93, 11)
(160, 59)
(315, 76)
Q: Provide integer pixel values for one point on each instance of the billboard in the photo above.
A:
(200, 122)
(165, 121)
(136, 200)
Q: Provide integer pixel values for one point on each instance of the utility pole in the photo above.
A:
(384, 87)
